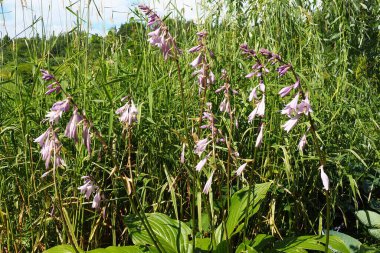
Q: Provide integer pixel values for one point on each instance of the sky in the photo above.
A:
(55, 16)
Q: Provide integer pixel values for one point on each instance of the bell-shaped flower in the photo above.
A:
(201, 164)
(282, 70)
(302, 142)
(197, 61)
(291, 107)
(207, 187)
(96, 201)
(304, 106)
(253, 94)
(46, 75)
(200, 146)
(86, 136)
(325, 179)
(71, 128)
(88, 187)
(260, 136)
(285, 91)
(241, 169)
(128, 113)
(182, 159)
(53, 116)
(291, 123)
(43, 137)
(62, 106)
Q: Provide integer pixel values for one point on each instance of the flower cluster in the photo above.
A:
(88, 188)
(128, 112)
(225, 105)
(200, 63)
(160, 37)
(49, 142)
(53, 87)
(259, 70)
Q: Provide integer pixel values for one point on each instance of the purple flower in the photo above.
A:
(53, 116)
(71, 128)
(195, 49)
(43, 137)
(285, 91)
(207, 187)
(51, 148)
(296, 84)
(62, 106)
(96, 201)
(291, 123)
(46, 75)
(183, 153)
(240, 169)
(302, 142)
(88, 187)
(304, 106)
(246, 50)
(201, 145)
(201, 164)
(259, 110)
(86, 136)
(325, 179)
(128, 113)
(197, 61)
(260, 136)
(282, 70)
(225, 106)
(253, 94)
(291, 107)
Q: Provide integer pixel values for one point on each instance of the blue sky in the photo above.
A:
(53, 15)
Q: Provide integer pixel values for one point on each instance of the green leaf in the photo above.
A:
(261, 241)
(62, 249)
(203, 244)
(245, 248)
(239, 202)
(351, 243)
(369, 218)
(299, 244)
(374, 232)
(114, 249)
(172, 234)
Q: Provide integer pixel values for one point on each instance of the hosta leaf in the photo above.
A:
(124, 249)
(172, 234)
(369, 218)
(62, 249)
(351, 243)
(375, 232)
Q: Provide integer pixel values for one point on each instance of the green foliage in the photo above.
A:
(371, 220)
(111, 249)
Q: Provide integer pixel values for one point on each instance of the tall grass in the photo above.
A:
(335, 50)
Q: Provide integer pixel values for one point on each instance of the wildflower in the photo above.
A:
(128, 113)
(46, 75)
(53, 116)
(285, 91)
(260, 136)
(207, 187)
(302, 142)
(53, 87)
(225, 106)
(246, 50)
(259, 110)
(50, 148)
(291, 123)
(304, 106)
(200, 147)
(88, 187)
(240, 169)
(291, 107)
(71, 128)
(182, 159)
(253, 94)
(43, 137)
(196, 48)
(62, 106)
(325, 179)
(201, 164)
(282, 70)
(96, 201)
(86, 136)
(195, 63)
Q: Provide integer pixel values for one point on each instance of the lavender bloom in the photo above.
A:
(302, 142)
(51, 148)
(282, 70)
(201, 164)
(96, 201)
(200, 147)
(304, 106)
(253, 94)
(128, 113)
(291, 123)
(197, 48)
(285, 91)
(86, 136)
(46, 75)
(240, 169)
(325, 179)
(53, 116)
(225, 106)
(291, 107)
(259, 110)
(182, 159)
(88, 187)
(43, 137)
(207, 187)
(260, 136)
(71, 128)
(62, 106)
(246, 50)
(296, 84)
(197, 61)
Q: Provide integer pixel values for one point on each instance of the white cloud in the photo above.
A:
(54, 16)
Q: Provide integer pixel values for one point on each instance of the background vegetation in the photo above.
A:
(334, 47)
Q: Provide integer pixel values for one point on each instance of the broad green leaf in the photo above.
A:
(261, 241)
(299, 244)
(124, 249)
(172, 234)
(351, 243)
(369, 218)
(62, 249)
(245, 248)
(375, 232)
(203, 244)
(239, 202)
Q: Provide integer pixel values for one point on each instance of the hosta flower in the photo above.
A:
(207, 187)
(50, 148)
(71, 128)
(260, 136)
(291, 123)
(225, 106)
(302, 142)
(62, 106)
(96, 201)
(201, 145)
(201, 164)
(253, 94)
(285, 91)
(197, 61)
(46, 75)
(304, 106)
(88, 187)
(43, 137)
(259, 110)
(282, 70)
(325, 179)
(291, 107)
(53, 116)
(128, 113)
(240, 169)
(86, 136)
(182, 159)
